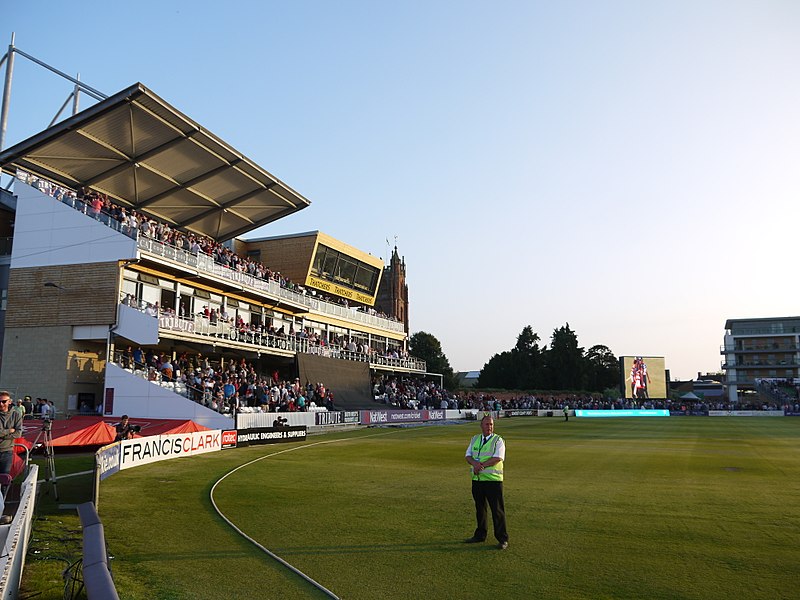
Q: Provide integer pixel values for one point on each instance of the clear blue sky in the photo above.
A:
(631, 168)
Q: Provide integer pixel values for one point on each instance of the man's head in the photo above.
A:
(487, 425)
(5, 401)
(124, 419)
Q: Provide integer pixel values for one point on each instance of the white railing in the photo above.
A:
(17, 535)
(203, 326)
(206, 263)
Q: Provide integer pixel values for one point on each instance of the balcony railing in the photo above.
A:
(204, 327)
(775, 329)
(760, 348)
(206, 263)
(784, 364)
(740, 381)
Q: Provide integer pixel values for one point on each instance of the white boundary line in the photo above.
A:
(294, 570)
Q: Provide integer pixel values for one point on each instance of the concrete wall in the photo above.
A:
(45, 362)
(87, 294)
(48, 232)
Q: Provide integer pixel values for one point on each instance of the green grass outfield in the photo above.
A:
(645, 508)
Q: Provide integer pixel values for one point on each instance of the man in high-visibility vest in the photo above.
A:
(485, 455)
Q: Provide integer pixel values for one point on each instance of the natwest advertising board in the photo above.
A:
(382, 417)
(108, 460)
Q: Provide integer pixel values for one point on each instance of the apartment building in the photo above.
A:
(758, 349)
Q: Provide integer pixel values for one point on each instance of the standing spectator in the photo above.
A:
(166, 368)
(10, 430)
(44, 409)
(28, 405)
(20, 408)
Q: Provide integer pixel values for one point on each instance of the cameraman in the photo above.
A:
(124, 429)
(10, 430)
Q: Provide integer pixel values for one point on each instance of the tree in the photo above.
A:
(602, 369)
(565, 362)
(498, 372)
(425, 346)
(517, 369)
(527, 360)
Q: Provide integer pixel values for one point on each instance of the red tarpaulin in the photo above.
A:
(98, 431)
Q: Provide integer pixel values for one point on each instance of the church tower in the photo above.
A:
(392, 296)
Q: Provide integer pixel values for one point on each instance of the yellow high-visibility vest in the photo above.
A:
(484, 451)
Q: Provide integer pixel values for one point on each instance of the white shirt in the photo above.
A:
(499, 449)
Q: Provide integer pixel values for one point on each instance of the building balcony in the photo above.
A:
(741, 381)
(203, 330)
(785, 326)
(789, 347)
(204, 264)
(783, 364)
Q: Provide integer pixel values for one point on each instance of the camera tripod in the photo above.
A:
(47, 434)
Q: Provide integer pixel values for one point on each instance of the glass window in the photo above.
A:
(319, 260)
(345, 270)
(151, 294)
(329, 266)
(365, 278)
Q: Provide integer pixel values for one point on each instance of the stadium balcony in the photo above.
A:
(201, 329)
(203, 265)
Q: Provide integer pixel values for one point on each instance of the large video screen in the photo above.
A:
(643, 377)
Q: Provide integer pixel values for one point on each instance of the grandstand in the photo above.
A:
(129, 231)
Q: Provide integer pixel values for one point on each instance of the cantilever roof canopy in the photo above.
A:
(145, 154)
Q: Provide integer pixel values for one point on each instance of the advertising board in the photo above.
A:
(271, 435)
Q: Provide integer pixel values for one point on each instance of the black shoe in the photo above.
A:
(473, 540)
(502, 545)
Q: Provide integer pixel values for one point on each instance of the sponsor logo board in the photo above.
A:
(378, 417)
(520, 412)
(229, 439)
(108, 460)
(271, 435)
(141, 451)
(328, 417)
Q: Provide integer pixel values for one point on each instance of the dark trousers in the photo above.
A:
(491, 493)
(6, 461)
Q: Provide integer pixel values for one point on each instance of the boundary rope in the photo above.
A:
(269, 553)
